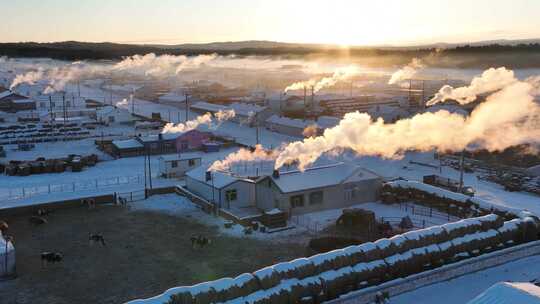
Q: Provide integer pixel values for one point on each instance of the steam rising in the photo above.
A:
(407, 72)
(244, 155)
(508, 117)
(205, 119)
(491, 80)
(340, 74)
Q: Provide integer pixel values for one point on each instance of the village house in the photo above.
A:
(165, 143)
(289, 126)
(12, 102)
(294, 192)
(171, 166)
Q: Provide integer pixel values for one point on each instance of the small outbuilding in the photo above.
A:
(127, 148)
(171, 166)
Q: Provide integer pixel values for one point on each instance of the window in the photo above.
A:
(316, 198)
(297, 201)
(191, 162)
(174, 164)
(231, 195)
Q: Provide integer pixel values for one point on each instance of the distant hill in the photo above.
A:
(510, 53)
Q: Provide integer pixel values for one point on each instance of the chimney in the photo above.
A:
(160, 136)
(208, 176)
(275, 174)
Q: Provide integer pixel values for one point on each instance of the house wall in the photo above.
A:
(202, 189)
(245, 195)
(333, 197)
(267, 195)
(183, 166)
(193, 139)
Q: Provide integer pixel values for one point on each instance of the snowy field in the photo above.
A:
(463, 289)
(173, 204)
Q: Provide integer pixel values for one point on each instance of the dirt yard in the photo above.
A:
(146, 253)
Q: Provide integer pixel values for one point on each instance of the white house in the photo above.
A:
(295, 192)
(319, 188)
(171, 166)
(221, 188)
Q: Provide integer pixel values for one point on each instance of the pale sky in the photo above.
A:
(348, 22)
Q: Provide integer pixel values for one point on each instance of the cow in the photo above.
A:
(200, 241)
(96, 238)
(51, 257)
(37, 220)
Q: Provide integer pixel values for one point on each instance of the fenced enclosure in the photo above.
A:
(17, 193)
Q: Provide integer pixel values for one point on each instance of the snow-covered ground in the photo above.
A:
(120, 175)
(465, 288)
(180, 206)
(488, 191)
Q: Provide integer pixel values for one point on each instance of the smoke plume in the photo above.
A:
(508, 117)
(491, 80)
(205, 119)
(407, 72)
(244, 156)
(340, 74)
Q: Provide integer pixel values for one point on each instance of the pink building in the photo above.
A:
(192, 140)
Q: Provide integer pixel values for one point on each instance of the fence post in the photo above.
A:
(96, 184)
(131, 196)
(49, 186)
(23, 192)
(430, 211)
(73, 186)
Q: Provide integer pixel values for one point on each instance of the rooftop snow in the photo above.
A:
(509, 293)
(290, 122)
(127, 144)
(319, 177)
(219, 179)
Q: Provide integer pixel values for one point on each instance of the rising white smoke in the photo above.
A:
(341, 74)
(407, 72)
(205, 119)
(122, 104)
(491, 80)
(30, 77)
(507, 117)
(259, 155)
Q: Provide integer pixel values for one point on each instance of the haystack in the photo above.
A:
(386, 247)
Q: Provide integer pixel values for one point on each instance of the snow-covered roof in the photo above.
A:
(127, 144)
(290, 122)
(509, 293)
(534, 170)
(447, 107)
(155, 137)
(206, 106)
(219, 179)
(186, 156)
(173, 96)
(319, 177)
(327, 121)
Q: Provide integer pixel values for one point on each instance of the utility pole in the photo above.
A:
(79, 87)
(145, 186)
(187, 107)
(461, 165)
(257, 128)
(169, 115)
(132, 102)
(150, 171)
(423, 95)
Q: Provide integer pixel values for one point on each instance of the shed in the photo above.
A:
(171, 166)
(127, 148)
